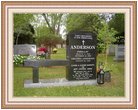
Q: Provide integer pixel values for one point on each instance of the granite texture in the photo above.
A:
(57, 82)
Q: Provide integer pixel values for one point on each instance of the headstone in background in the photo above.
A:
(111, 50)
(119, 52)
(25, 49)
(81, 53)
(58, 46)
(61, 45)
(64, 45)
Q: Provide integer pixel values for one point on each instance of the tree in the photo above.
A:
(53, 21)
(21, 23)
(83, 22)
(106, 35)
(106, 16)
(49, 32)
(25, 35)
(118, 22)
(45, 36)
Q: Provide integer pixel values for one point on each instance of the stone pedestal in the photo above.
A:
(57, 82)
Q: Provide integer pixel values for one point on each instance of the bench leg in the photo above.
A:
(35, 75)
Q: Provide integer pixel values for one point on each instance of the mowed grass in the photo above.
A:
(61, 54)
(113, 88)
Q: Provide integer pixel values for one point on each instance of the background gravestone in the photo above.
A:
(111, 50)
(25, 49)
(81, 53)
(119, 52)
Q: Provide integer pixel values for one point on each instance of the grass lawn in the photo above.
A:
(114, 88)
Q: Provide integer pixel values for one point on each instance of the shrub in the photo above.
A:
(18, 59)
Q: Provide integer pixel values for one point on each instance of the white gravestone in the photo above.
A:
(25, 49)
(119, 52)
(111, 50)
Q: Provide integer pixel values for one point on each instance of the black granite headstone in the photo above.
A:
(81, 53)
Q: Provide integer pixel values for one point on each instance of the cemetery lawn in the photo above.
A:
(113, 88)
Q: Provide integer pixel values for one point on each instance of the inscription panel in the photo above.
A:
(81, 53)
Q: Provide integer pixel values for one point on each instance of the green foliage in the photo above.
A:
(119, 39)
(49, 32)
(100, 47)
(24, 35)
(42, 30)
(83, 22)
(53, 21)
(21, 19)
(118, 22)
(44, 36)
(106, 36)
(49, 40)
(23, 30)
(18, 59)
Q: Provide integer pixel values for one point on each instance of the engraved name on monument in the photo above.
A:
(81, 53)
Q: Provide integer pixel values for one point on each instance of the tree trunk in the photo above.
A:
(106, 55)
(59, 22)
(46, 19)
(17, 38)
(49, 51)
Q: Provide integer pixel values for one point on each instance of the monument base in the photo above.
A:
(57, 82)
